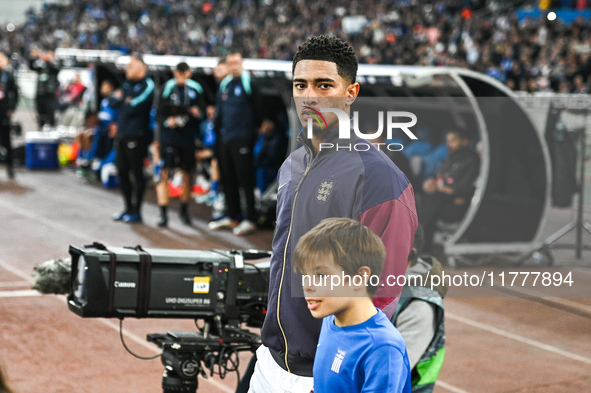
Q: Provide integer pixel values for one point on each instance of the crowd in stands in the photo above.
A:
(528, 55)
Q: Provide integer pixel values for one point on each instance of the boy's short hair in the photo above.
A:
(350, 244)
(331, 49)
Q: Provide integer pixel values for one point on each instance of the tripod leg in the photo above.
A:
(549, 241)
(580, 224)
(560, 233)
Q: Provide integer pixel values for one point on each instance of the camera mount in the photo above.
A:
(185, 355)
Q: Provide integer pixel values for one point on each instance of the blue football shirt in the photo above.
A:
(368, 357)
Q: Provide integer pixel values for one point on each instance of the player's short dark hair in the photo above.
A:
(331, 49)
(182, 67)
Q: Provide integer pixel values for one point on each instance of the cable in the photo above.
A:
(227, 361)
(128, 350)
(200, 328)
(258, 270)
(235, 365)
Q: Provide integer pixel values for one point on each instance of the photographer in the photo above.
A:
(420, 317)
(180, 108)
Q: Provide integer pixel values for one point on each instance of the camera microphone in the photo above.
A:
(53, 276)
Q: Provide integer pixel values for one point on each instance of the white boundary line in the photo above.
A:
(529, 293)
(13, 284)
(449, 387)
(516, 337)
(16, 272)
(50, 223)
(571, 304)
(23, 293)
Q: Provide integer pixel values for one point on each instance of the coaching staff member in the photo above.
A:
(239, 114)
(8, 102)
(180, 107)
(134, 101)
(47, 68)
(316, 184)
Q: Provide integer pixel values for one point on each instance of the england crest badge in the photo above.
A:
(324, 191)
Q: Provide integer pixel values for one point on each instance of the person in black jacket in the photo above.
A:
(180, 107)
(8, 102)
(447, 196)
(134, 101)
(239, 114)
(47, 68)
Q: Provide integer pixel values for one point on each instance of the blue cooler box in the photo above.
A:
(41, 150)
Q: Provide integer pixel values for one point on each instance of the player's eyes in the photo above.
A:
(325, 86)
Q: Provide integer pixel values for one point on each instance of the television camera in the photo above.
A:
(222, 288)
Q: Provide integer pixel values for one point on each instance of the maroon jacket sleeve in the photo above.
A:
(395, 222)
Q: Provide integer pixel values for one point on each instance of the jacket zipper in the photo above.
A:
(285, 252)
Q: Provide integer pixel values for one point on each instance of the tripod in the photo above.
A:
(579, 223)
(186, 355)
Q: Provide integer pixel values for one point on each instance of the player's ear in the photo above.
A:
(351, 93)
(365, 273)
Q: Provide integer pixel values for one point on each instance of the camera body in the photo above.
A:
(122, 282)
